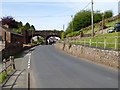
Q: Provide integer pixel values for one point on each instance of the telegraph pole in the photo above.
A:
(102, 22)
(72, 21)
(32, 37)
(92, 18)
(63, 27)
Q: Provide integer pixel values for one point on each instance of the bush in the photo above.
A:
(62, 35)
(75, 33)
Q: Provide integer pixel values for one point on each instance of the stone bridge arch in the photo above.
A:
(45, 34)
(51, 36)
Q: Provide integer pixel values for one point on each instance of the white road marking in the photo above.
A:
(29, 60)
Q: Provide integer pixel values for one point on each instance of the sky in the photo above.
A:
(51, 14)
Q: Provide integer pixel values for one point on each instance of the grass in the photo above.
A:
(111, 24)
(110, 40)
(4, 75)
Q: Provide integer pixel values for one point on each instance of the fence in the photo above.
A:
(108, 42)
(8, 64)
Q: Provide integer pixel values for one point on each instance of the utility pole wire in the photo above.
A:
(86, 6)
(49, 16)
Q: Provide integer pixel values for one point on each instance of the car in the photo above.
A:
(117, 27)
(110, 30)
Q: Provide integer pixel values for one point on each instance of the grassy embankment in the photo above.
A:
(109, 25)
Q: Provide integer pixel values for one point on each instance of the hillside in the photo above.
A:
(109, 24)
(102, 38)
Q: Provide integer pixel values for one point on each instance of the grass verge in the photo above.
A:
(4, 74)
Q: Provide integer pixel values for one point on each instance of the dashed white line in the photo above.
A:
(29, 61)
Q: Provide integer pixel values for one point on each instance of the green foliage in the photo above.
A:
(75, 33)
(40, 40)
(97, 16)
(69, 28)
(83, 19)
(18, 31)
(16, 26)
(27, 26)
(22, 27)
(3, 76)
(34, 42)
(63, 35)
(20, 24)
(32, 28)
(108, 14)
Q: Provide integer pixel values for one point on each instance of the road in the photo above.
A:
(52, 68)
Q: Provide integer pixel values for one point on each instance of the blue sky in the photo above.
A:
(51, 14)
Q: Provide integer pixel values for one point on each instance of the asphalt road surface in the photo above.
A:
(52, 68)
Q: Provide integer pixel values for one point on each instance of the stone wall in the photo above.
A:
(106, 57)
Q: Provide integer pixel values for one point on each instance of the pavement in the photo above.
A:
(18, 79)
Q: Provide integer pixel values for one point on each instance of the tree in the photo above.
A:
(27, 26)
(32, 28)
(82, 19)
(20, 24)
(16, 26)
(69, 28)
(97, 16)
(108, 14)
(10, 21)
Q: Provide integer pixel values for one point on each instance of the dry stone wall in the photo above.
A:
(106, 57)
